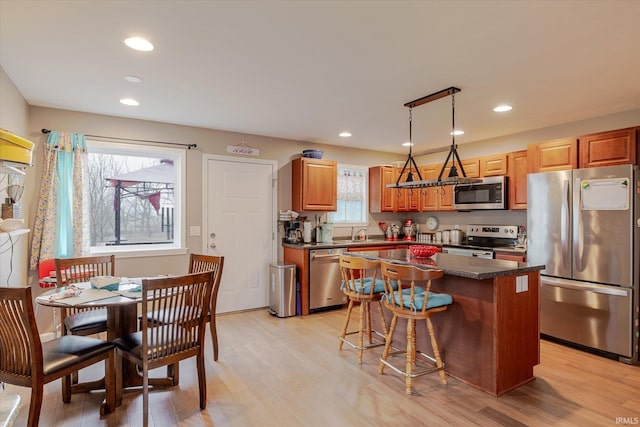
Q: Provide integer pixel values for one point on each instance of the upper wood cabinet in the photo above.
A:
(471, 168)
(407, 199)
(559, 154)
(381, 198)
(314, 184)
(495, 165)
(618, 147)
(518, 169)
(435, 198)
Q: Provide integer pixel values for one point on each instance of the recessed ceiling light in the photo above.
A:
(129, 101)
(133, 79)
(138, 43)
(457, 132)
(406, 144)
(345, 134)
(502, 108)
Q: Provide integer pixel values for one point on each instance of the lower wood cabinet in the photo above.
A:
(510, 256)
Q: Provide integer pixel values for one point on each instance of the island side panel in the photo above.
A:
(466, 330)
(518, 330)
(300, 258)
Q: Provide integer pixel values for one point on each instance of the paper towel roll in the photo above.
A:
(306, 231)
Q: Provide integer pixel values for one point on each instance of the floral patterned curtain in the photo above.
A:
(350, 185)
(61, 229)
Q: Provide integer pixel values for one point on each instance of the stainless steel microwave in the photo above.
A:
(491, 193)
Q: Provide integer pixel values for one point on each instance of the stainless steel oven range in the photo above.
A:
(482, 239)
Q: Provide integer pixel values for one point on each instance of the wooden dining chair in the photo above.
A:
(26, 361)
(180, 306)
(200, 263)
(83, 321)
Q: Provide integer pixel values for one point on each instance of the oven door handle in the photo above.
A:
(482, 254)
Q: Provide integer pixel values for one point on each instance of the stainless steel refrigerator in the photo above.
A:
(583, 224)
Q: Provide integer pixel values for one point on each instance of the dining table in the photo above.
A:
(122, 319)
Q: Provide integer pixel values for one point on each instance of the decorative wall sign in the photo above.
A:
(243, 149)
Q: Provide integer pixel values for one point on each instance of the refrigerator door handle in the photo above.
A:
(578, 236)
(564, 223)
(600, 289)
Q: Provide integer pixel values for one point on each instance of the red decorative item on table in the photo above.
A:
(423, 251)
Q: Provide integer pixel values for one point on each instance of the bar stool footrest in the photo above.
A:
(401, 371)
(357, 347)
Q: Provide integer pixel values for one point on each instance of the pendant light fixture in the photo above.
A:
(453, 177)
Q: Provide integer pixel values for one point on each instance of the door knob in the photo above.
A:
(212, 246)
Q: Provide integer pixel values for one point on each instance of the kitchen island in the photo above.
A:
(489, 337)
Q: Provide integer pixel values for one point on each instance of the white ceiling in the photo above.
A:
(307, 70)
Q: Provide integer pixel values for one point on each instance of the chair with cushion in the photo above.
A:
(201, 263)
(83, 321)
(408, 296)
(361, 284)
(180, 306)
(26, 361)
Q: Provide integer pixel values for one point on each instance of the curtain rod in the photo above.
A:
(189, 146)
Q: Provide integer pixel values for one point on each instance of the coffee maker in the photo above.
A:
(293, 231)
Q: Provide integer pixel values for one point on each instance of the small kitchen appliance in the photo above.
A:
(409, 230)
(293, 231)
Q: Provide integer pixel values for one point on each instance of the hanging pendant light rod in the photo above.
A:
(453, 178)
(410, 161)
(434, 96)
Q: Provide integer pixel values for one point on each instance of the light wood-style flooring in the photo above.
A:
(289, 372)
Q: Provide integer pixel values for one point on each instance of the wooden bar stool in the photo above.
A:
(407, 296)
(361, 284)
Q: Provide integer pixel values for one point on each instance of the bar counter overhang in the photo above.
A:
(489, 337)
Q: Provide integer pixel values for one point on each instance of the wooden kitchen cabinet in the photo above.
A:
(518, 169)
(314, 184)
(495, 165)
(429, 195)
(381, 198)
(510, 256)
(559, 154)
(407, 199)
(618, 147)
(435, 198)
(300, 258)
(471, 168)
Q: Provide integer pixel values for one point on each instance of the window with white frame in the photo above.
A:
(136, 197)
(352, 196)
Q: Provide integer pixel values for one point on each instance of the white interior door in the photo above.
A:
(240, 216)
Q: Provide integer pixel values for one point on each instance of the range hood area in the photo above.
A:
(452, 178)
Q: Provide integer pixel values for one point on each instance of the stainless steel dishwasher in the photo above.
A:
(325, 279)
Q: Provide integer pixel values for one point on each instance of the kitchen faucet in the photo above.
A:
(353, 234)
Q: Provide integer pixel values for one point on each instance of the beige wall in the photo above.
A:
(208, 142)
(13, 115)
(26, 121)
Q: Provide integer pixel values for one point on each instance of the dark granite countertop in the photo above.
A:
(455, 265)
(339, 243)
